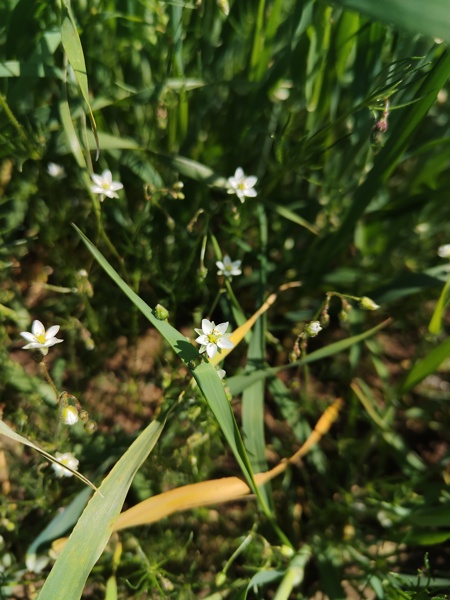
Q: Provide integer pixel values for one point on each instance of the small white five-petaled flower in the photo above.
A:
(104, 185)
(213, 338)
(66, 458)
(444, 251)
(242, 186)
(39, 338)
(228, 268)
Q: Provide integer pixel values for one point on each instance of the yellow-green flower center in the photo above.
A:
(105, 185)
(41, 338)
(213, 337)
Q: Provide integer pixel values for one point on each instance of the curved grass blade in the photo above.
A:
(94, 528)
(238, 383)
(435, 325)
(427, 366)
(12, 435)
(387, 159)
(431, 19)
(217, 491)
(74, 51)
(203, 372)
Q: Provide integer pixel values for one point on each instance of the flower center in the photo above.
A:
(105, 185)
(213, 337)
(241, 185)
(228, 268)
(41, 338)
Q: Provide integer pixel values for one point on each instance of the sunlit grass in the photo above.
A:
(276, 166)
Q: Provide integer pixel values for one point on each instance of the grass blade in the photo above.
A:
(96, 524)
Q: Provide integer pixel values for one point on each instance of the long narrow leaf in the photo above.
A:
(96, 524)
(203, 372)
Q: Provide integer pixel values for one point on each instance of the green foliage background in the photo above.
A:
(291, 92)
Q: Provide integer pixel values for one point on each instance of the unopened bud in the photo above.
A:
(368, 304)
(161, 312)
(69, 415)
(313, 328)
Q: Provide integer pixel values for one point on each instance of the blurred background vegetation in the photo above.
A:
(344, 119)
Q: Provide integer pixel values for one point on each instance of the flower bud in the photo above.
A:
(69, 415)
(161, 312)
(367, 304)
(313, 328)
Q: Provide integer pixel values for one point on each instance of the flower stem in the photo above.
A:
(44, 368)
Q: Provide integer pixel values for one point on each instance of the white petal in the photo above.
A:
(250, 181)
(97, 179)
(116, 185)
(52, 331)
(28, 336)
(220, 265)
(107, 176)
(211, 350)
(207, 326)
(37, 328)
(251, 193)
(32, 345)
(51, 342)
(202, 339)
(225, 343)
(239, 173)
(222, 327)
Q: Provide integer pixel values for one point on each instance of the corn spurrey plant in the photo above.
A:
(282, 160)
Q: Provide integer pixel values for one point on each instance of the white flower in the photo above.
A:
(104, 185)
(39, 338)
(66, 458)
(313, 328)
(444, 251)
(213, 338)
(228, 268)
(56, 171)
(241, 185)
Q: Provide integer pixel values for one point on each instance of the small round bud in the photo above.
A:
(313, 328)
(343, 316)
(367, 304)
(220, 578)
(161, 312)
(90, 426)
(69, 415)
(84, 416)
(325, 319)
(286, 551)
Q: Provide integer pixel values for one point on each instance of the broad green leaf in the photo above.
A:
(431, 18)
(12, 435)
(94, 528)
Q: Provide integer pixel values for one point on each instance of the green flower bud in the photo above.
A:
(161, 312)
(367, 304)
(313, 328)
